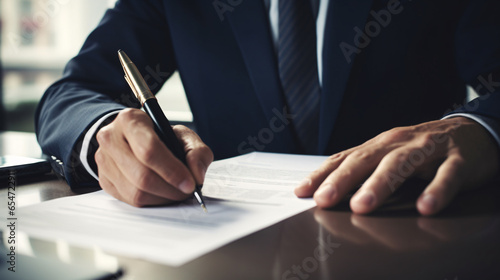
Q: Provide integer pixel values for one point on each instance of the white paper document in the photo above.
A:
(242, 194)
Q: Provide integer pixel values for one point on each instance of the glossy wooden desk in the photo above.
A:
(461, 243)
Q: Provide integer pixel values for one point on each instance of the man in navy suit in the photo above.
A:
(382, 91)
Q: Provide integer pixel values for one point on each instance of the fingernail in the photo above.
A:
(366, 198)
(429, 202)
(305, 183)
(186, 187)
(326, 193)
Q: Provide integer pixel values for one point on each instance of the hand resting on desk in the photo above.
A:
(136, 167)
(456, 153)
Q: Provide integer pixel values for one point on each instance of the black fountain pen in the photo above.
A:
(152, 108)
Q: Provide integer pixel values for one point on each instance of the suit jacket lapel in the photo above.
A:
(343, 17)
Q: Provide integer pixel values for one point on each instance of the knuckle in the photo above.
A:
(148, 149)
(150, 138)
(394, 135)
(175, 174)
(130, 118)
(99, 157)
(206, 152)
(342, 173)
(104, 135)
(401, 157)
(398, 156)
(426, 140)
(361, 155)
(138, 198)
(143, 180)
(127, 115)
(456, 162)
(146, 154)
(336, 157)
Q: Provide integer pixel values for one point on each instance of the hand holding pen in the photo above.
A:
(135, 165)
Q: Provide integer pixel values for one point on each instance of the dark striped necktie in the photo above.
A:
(298, 69)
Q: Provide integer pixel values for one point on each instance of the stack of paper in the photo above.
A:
(243, 195)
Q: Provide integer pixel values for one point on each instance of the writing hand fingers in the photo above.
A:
(150, 151)
(198, 155)
(131, 181)
(135, 166)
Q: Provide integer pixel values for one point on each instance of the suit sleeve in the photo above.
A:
(478, 57)
(93, 82)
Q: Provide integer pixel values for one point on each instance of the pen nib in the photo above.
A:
(198, 197)
(204, 208)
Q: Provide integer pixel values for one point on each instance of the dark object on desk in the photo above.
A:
(23, 166)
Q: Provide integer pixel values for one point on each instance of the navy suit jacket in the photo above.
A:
(378, 72)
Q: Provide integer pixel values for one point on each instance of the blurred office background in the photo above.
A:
(38, 37)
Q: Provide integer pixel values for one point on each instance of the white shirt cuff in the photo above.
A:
(481, 120)
(86, 143)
